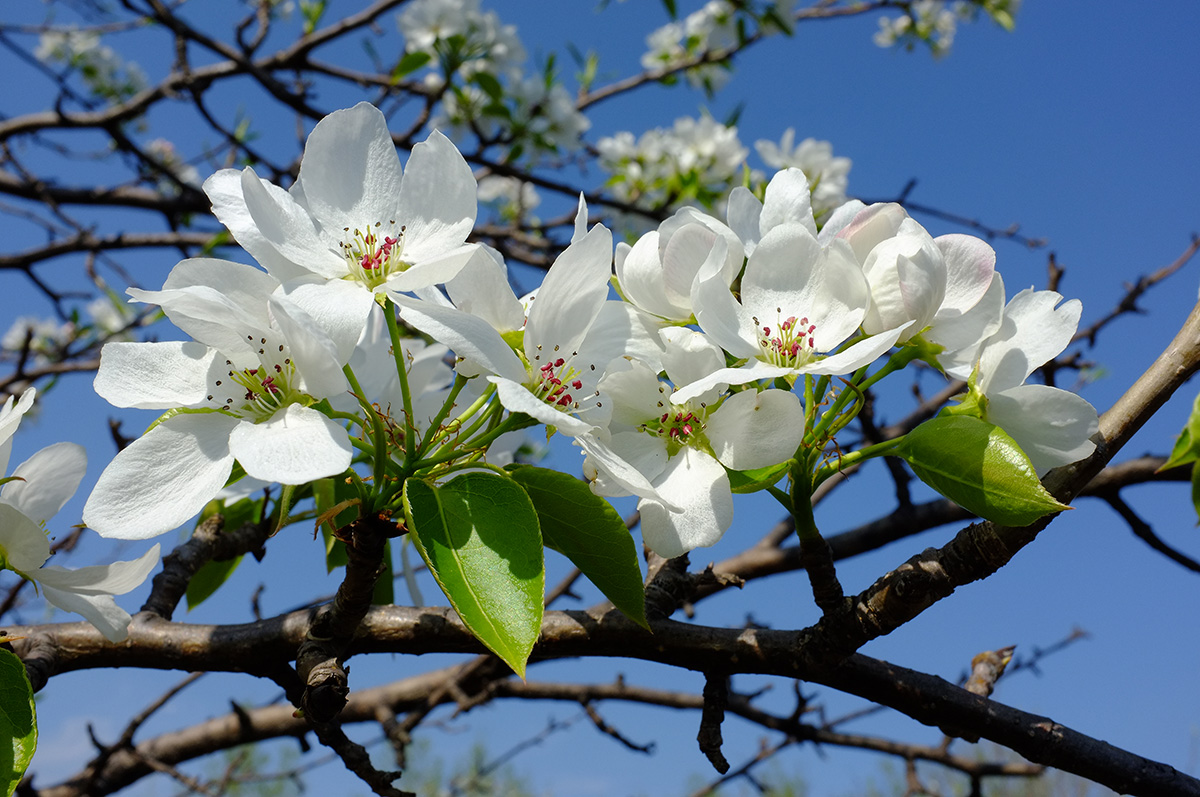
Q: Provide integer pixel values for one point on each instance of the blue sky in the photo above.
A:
(1080, 126)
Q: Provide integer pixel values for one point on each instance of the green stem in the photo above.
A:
(377, 431)
(460, 382)
(410, 432)
(856, 458)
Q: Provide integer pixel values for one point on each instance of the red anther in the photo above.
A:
(766, 330)
(559, 362)
(687, 429)
(252, 371)
(673, 433)
(565, 400)
(666, 415)
(577, 384)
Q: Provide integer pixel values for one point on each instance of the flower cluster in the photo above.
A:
(102, 70)
(735, 351)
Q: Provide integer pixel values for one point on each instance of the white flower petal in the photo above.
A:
(640, 277)
(229, 205)
(443, 266)
(340, 307)
(51, 477)
(466, 335)
(756, 429)
(689, 355)
(571, 294)
(210, 317)
(964, 336)
(245, 286)
(313, 352)
(163, 478)
(100, 610)
(295, 446)
(862, 353)
(743, 214)
(10, 419)
(516, 398)
(438, 200)
(287, 226)
(482, 289)
(1053, 427)
(600, 453)
(350, 174)
(698, 484)
(1033, 331)
(115, 578)
(787, 201)
(970, 264)
(154, 376)
(22, 542)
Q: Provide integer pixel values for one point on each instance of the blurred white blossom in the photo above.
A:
(104, 72)
(827, 175)
(44, 337)
(165, 155)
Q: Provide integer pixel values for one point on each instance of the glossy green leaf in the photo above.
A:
(1187, 444)
(18, 722)
(979, 467)
(751, 481)
(585, 528)
(479, 535)
(410, 63)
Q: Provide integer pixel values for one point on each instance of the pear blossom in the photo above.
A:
(932, 282)
(354, 224)
(799, 303)
(683, 449)
(1052, 426)
(563, 351)
(39, 488)
(786, 200)
(243, 390)
(656, 274)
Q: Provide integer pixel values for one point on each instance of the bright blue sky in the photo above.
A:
(1081, 127)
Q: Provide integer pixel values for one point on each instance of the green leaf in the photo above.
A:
(489, 84)
(479, 535)
(751, 481)
(410, 63)
(18, 722)
(979, 467)
(585, 528)
(1187, 444)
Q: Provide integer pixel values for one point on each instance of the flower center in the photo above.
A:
(560, 384)
(256, 394)
(373, 254)
(680, 425)
(789, 343)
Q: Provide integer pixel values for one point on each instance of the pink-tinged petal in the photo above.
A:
(50, 477)
(964, 336)
(601, 455)
(229, 205)
(699, 486)
(1053, 427)
(862, 353)
(314, 353)
(1033, 331)
(154, 376)
(23, 544)
(838, 220)
(295, 446)
(443, 266)
(350, 174)
(516, 398)
(970, 264)
(163, 478)
(756, 429)
(288, 228)
(787, 201)
(340, 307)
(571, 294)
(466, 335)
(115, 578)
(871, 226)
(438, 200)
